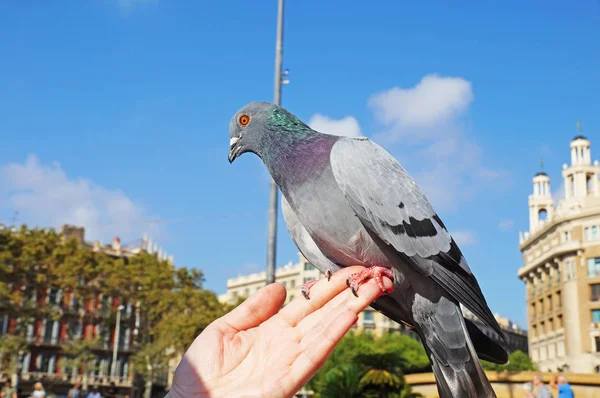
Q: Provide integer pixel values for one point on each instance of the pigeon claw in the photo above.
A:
(305, 289)
(329, 273)
(376, 273)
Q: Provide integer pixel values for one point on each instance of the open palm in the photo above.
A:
(262, 350)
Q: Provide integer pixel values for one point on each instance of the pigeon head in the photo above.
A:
(254, 127)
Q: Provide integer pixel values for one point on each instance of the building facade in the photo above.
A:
(44, 359)
(561, 267)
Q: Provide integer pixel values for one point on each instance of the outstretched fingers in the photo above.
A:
(320, 294)
(343, 302)
(257, 308)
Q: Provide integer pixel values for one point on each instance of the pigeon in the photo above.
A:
(346, 201)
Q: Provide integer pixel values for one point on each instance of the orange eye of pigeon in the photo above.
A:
(244, 120)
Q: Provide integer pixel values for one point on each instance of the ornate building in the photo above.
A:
(561, 270)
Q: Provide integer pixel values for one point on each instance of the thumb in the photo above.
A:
(257, 308)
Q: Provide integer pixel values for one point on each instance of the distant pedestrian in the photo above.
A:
(38, 391)
(75, 392)
(541, 390)
(8, 391)
(112, 391)
(561, 384)
(528, 389)
(94, 393)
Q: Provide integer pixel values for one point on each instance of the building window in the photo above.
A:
(310, 278)
(597, 340)
(588, 233)
(53, 296)
(595, 292)
(542, 215)
(596, 316)
(291, 297)
(284, 283)
(308, 267)
(595, 232)
(368, 316)
(292, 283)
(567, 236)
(594, 266)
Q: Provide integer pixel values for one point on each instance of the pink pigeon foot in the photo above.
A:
(306, 288)
(376, 273)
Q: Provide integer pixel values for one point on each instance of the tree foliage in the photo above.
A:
(173, 306)
(367, 366)
(517, 361)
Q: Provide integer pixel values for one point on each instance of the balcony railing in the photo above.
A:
(120, 381)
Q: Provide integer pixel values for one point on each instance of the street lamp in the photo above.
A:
(113, 368)
(273, 198)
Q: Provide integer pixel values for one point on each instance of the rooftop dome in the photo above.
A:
(579, 137)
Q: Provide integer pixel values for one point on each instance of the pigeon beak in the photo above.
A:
(233, 149)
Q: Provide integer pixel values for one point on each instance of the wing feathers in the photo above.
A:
(387, 200)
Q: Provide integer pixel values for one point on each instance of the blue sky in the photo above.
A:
(115, 113)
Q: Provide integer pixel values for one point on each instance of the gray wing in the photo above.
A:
(303, 240)
(388, 202)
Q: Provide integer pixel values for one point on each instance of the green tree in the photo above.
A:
(383, 372)
(381, 363)
(11, 348)
(173, 306)
(343, 381)
(517, 361)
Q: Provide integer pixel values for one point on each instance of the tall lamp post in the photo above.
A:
(113, 368)
(273, 198)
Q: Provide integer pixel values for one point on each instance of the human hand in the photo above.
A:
(262, 350)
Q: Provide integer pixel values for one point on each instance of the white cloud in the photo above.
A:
(433, 102)
(45, 196)
(464, 238)
(347, 126)
(437, 147)
(506, 224)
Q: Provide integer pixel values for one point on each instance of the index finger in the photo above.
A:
(320, 294)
